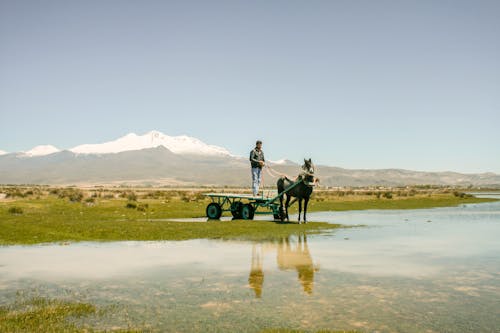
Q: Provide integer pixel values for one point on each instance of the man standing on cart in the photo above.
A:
(257, 161)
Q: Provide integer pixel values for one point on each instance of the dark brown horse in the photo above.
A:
(302, 191)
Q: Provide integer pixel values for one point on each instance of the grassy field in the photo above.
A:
(59, 220)
(34, 215)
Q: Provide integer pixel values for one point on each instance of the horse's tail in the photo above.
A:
(281, 183)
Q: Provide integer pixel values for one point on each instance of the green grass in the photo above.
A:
(52, 219)
(56, 220)
(38, 314)
(416, 202)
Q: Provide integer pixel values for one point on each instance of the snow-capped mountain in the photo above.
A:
(3, 152)
(42, 150)
(282, 162)
(176, 144)
(160, 167)
(158, 159)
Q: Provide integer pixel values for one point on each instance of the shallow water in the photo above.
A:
(434, 270)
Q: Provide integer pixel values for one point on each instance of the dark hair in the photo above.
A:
(258, 142)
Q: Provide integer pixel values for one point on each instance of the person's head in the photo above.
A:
(258, 144)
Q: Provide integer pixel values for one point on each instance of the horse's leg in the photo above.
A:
(288, 197)
(281, 207)
(306, 201)
(300, 207)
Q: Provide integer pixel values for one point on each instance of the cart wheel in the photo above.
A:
(236, 209)
(214, 211)
(247, 212)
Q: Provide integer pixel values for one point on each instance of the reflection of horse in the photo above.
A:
(292, 253)
(298, 258)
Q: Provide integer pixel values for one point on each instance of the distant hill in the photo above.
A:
(150, 162)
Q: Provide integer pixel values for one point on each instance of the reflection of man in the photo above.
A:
(257, 161)
(256, 277)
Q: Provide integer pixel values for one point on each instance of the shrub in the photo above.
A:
(15, 193)
(199, 197)
(15, 210)
(54, 191)
(142, 207)
(153, 195)
(131, 204)
(388, 195)
(75, 196)
(462, 195)
(90, 200)
(131, 196)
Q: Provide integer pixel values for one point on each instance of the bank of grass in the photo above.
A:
(56, 220)
(68, 215)
(39, 314)
(363, 202)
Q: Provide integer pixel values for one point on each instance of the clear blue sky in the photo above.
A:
(356, 84)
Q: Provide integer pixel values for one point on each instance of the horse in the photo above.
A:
(301, 192)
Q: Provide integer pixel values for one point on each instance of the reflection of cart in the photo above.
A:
(244, 206)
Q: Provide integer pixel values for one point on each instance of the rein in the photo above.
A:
(275, 174)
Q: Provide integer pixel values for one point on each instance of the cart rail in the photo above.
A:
(244, 206)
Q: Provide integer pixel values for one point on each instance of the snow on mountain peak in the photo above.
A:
(282, 161)
(42, 150)
(3, 152)
(177, 144)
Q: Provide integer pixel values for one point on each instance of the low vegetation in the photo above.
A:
(285, 330)
(30, 215)
(39, 314)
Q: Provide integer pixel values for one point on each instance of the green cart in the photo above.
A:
(245, 206)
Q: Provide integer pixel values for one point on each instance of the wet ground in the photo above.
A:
(429, 270)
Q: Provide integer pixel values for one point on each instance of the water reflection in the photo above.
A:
(256, 277)
(292, 253)
(400, 274)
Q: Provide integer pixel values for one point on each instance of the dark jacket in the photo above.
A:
(255, 157)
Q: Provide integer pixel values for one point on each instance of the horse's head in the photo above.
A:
(308, 169)
(308, 166)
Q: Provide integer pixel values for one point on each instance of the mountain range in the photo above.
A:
(160, 160)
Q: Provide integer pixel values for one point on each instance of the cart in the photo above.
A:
(245, 206)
